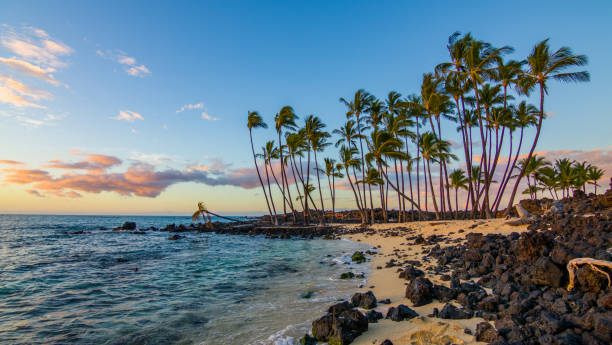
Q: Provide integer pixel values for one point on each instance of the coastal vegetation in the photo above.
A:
(386, 143)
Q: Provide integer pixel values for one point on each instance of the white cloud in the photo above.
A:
(200, 105)
(207, 117)
(128, 115)
(190, 107)
(131, 67)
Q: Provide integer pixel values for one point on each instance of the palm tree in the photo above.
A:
(314, 138)
(285, 119)
(524, 117)
(255, 121)
(295, 145)
(318, 145)
(204, 213)
(593, 175)
(348, 134)
(270, 152)
(356, 107)
(332, 171)
(348, 160)
(543, 65)
(457, 180)
(383, 145)
(373, 179)
(428, 143)
(478, 59)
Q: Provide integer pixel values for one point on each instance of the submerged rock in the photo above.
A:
(347, 275)
(358, 257)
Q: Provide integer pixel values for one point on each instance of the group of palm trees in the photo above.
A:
(385, 141)
(562, 176)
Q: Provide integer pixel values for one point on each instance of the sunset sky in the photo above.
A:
(139, 107)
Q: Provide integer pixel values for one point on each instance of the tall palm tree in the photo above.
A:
(543, 65)
(255, 121)
(318, 145)
(478, 60)
(457, 181)
(313, 129)
(285, 119)
(348, 160)
(594, 174)
(356, 107)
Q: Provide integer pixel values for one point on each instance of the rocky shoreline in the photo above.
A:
(517, 284)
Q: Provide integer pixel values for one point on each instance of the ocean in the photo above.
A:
(72, 280)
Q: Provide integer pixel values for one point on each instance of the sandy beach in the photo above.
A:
(385, 283)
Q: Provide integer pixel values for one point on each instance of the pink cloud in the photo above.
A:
(9, 162)
(93, 163)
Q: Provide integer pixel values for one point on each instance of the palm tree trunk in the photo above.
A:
(433, 195)
(503, 180)
(320, 192)
(259, 175)
(456, 203)
(361, 212)
(270, 192)
(397, 190)
(363, 171)
(418, 161)
(484, 143)
(306, 193)
(293, 171)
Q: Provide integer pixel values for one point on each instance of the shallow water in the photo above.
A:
(104, 287)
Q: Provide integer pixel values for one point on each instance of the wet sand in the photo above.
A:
(385, 282)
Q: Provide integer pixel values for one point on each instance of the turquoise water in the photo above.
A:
(102, 287)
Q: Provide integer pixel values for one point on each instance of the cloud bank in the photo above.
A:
(92, 175)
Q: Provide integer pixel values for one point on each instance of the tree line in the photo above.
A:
(385, 141)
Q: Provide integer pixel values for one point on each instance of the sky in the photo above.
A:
(139, 107)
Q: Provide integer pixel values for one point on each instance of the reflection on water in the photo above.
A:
(101, 287)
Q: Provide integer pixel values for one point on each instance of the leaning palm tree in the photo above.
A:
(543, 65)
(593, 175)
(255, 121)
(457, 181)
(204, 213)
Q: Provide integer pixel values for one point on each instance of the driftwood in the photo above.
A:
(572, 267)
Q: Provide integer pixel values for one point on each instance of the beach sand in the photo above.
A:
(385, 282)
